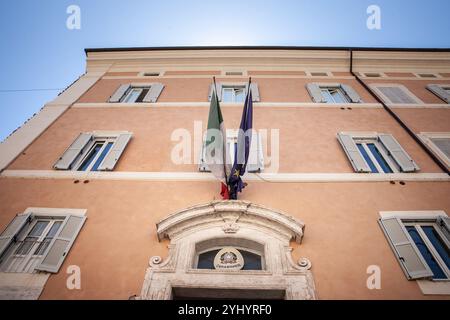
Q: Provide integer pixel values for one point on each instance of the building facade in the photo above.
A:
(104, 193)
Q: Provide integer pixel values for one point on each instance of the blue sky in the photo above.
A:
(39, 52)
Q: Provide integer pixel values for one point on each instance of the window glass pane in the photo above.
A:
(338, 96)
(102, 156)
(92, 153)
(48, 238)
(367, 158)
(38, 228)
(133, 95)
(438, 244)
(25, 247)
(240, 96)
(227, 95)
(142, 95)
(426, 254)
(327, 96)
(443, 144)
(376, 153)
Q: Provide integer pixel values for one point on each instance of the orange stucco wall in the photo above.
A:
(342, 237)
(308, 140)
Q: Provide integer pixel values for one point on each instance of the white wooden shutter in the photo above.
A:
(115, 152)
(405, 162)
(396, 95)
(404, 249)
(153, 93)
(255, 157)
(255, 92)
(439, 91)
(315, 93)
(120, 92)
(57, 251)
(12, 230)
(351, 93)
(219, 91)
(444, 222)
(70, 155)
(203, 166)
(353, 154)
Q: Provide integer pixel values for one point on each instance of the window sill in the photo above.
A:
(22, 286)
(430, 287)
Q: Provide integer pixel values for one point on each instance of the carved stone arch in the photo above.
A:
(234, 223)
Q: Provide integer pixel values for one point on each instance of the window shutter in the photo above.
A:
(396, 95)
(202, 166)
(353, 154)
(315, 93)
(404, 249)
(405, 162)
(219, 91)
(12, 230)
(117, 96)
(351, 93)
(116, 151)
(154, 93)
(439, 91)
(255, 157)
(61, 244)
(444, 222)
(255, 92)
(70, 155)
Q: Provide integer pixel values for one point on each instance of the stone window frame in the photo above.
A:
(241, 221)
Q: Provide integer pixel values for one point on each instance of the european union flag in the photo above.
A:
(242, 148)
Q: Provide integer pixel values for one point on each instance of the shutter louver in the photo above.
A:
(14, 227)
(61, 244)
(353, 154)
(116, 151)
(255, 92)
(439, 91)
(255, 157)
(404, 161)
(77, 147)
(351, 93)
(315, 93)
(153, 93)
(409, 257)
(120, 92)
(396, 95)
(219, 91)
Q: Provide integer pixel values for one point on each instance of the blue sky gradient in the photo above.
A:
(39, 52)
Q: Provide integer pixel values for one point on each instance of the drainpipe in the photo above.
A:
(438, 161)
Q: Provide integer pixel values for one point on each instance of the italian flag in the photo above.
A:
(216, 142)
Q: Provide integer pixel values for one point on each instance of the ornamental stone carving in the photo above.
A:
(234, 223)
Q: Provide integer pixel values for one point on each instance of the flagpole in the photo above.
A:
(225, 144)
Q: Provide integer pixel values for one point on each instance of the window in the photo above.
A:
(439, 143)
(233, 93)
(319, 74)
(234, 73)
(421, 244)
(426, 75)
(151, 74)
(137, 93)
(372, 74)
(255, 158)
(376, 153)
(39, 239)
(395, 94)
(94, 152)
(440, 90)
(332, 93)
